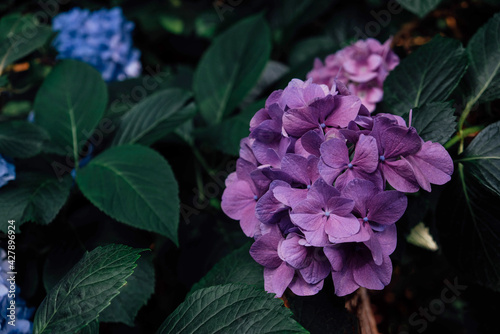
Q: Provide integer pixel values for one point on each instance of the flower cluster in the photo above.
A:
(310, 187)
(22, 313)
(102, 39)
(7, 171)
(362, 66)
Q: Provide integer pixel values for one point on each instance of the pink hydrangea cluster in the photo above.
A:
(362, 67)
(311, 187)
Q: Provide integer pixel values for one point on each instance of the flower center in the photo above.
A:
(365, 219)
(349, 165)
(308, 186)
(323, 125)
(327, 214)
(255, 197)
(382, 158)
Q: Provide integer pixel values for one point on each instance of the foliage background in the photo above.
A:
(173, 36)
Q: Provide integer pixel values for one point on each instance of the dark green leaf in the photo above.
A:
(16, 108)
(33, 197)
(482, 80)
(469, 229)
(85, 290)
(435, 121)
(134, 295)
(70, 103)
(231, 308)
(136, 186)
(123, 95)
(429, 74)
(21, 139)
(19, 36)
(420, 7)
(482, 157)
(227, 135)
(120, 94)
(91, 328)
(272, 72)
(231, 67)
(237, 267)
(154, 117)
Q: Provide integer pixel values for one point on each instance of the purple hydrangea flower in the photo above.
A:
(7, 171)
(374, 206)
(310, 187)
(431, 164)
(318, 110)
(336, 165)
(289, 262)
(362, 66)
(353, 267)
(395, 142)
(325, 214)
(240, 198)
(102, 39)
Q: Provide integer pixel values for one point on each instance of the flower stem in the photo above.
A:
(463, 134)
(461, 121)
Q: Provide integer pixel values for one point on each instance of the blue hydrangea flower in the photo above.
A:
(102, 39)
(7, 171)
(23, 313)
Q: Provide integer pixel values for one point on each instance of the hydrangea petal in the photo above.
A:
(301, 288)
(387, 207)
(371, 276)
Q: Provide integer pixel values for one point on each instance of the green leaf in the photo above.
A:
(21, 139)
(19, 36)
(231, 67)
(172, 23)
(91, 328)
(227, 135)
(231, 308)
(435, 121)
(420, 7)
(134, 295)
(70, 103)
(16, 108)
(429, 74)
(154, 117)
(482, 80)
(86, 289)
(469, 230)
(33, 197)
(273, 72)
(136, 186)
(482, 157)
(237, 267)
